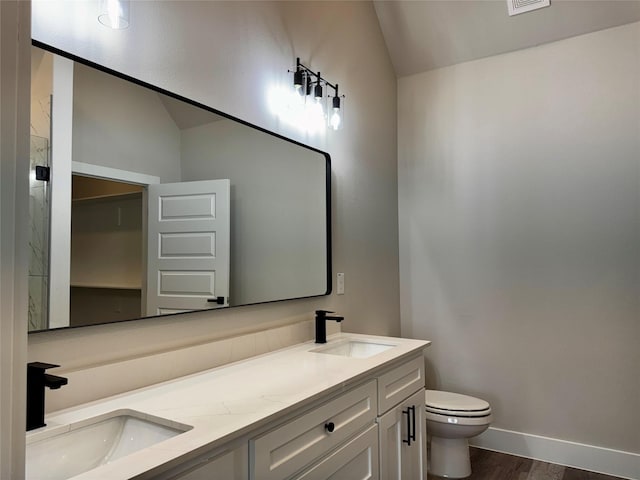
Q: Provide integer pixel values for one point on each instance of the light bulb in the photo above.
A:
(335, 119)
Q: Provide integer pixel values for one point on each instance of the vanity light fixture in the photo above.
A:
(306, 81)
(114, 13)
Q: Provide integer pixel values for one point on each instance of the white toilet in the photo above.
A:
(451, 420)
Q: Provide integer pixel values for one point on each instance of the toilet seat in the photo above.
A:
(458, 413)
(455, 405)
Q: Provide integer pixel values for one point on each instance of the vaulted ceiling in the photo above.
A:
(425, 34)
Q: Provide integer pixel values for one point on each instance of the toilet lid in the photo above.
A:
(454, 402)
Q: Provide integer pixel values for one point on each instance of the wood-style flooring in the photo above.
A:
(488, 465)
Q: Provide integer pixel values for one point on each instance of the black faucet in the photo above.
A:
(321, 324)
(37, 380)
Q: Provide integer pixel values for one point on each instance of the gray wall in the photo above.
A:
(228, 55)
(519, 206)
(113, 119)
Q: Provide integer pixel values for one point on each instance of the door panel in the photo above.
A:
(187, 283)
(188, 205)
(188, 244)
(188, 251)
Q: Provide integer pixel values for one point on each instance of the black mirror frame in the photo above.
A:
(176, 96)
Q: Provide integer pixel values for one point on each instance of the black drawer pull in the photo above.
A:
(218, 300)
(329, 427)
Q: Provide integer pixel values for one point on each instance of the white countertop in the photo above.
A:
(229, 401)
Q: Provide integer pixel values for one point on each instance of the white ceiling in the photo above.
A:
(425, 34)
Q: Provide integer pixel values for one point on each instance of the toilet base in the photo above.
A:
(449, 457)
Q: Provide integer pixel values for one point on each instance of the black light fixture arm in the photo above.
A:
(303, 69)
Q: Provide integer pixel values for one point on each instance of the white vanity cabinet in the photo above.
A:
(374, 430)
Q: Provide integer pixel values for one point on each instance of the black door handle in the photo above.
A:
(410, 412)
(218, 300)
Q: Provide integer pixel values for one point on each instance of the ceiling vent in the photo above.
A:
(521, 6)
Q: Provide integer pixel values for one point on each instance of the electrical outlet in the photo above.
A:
(340, 284)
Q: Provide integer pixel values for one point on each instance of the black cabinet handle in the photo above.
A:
(329, 427)
(410, 412)
(413, 422)
(407, 412)
(218, 300)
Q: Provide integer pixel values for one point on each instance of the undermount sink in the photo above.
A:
(97, 441)
(354, 348)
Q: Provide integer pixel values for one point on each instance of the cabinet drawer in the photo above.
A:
(289, 448)
(397, 384)
(356, 460)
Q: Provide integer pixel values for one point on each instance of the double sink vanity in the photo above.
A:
(351, 408)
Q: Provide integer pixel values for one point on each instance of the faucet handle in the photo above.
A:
(323, 312)
(41, 365)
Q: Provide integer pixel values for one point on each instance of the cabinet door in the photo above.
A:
(392, 430)
(402, 430)
(355, 460)
(233, 465)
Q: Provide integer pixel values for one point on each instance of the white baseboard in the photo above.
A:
(578, 455)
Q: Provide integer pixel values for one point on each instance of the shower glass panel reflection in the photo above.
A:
(39, 214)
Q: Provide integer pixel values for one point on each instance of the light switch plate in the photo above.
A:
(340, 284)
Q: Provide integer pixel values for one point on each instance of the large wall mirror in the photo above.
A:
(144, 203)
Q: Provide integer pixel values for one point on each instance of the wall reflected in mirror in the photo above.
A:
(173, 207)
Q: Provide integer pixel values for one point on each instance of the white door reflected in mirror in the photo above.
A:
(188, 246)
